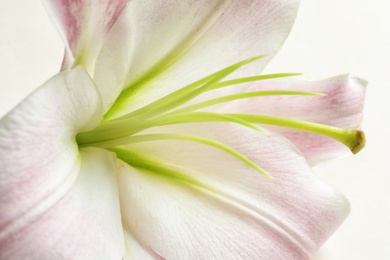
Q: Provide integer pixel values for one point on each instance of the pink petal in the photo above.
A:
(342, 106)
(56, 203)
(84, 24)
(219, 208)
(165, 45)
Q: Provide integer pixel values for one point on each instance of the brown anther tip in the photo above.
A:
(360, 142)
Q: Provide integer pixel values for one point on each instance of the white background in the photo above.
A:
(330, 37)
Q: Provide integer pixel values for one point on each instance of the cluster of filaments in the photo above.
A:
(174, 109)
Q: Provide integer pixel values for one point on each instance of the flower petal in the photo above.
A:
(37, 146)
(48, 190)
(85, 223)
(159, 46)
(196, 202)
(83, 24)
(342, 106)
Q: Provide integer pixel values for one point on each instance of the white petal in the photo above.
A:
(85, 223)
(37, 140)
(138, 249)
(216, 207)
(165, 45)
(56, 203)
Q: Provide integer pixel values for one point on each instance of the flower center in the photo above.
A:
(174, 109)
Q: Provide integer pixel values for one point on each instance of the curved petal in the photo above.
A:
(48, 189)
(83, 224)
(160, 46)
(138, 249)
(342, 106)
(83, 24)
(195, 202)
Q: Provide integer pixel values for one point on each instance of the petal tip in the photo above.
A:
(359, 81)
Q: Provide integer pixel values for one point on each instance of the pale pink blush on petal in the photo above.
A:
(74, 16)
(38, 153)
(341, 106)
(84, 25)
(84, 224)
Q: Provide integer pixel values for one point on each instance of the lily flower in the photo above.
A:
(160, 139)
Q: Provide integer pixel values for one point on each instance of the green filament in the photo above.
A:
(114, 130)
(353, 139)
(182, 95)
(253, 79)
(186, 93)
(228, 98)
(191, 138)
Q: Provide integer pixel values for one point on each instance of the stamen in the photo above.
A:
(113, 132)
(191, 138)
(139, 161)
(182, 95)
(154, 166)
(224, 99)
(253, 79)
(207, 85)
(353, 139)
(118, 129)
